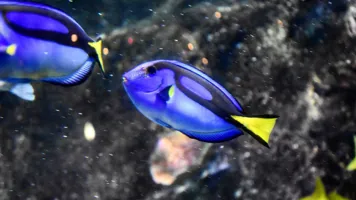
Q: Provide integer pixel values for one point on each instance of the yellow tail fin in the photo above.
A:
(11, 50)
(98, 46)
(259, 127)
(352, 165)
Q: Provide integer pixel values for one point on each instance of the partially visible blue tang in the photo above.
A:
(41, 43)
(178, 96)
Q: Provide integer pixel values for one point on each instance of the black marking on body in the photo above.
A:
(220, 104)
(60, 38)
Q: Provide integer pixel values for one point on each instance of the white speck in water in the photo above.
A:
(89, 131)
(65, 136)
(295, 146)
(313, 169)
(254, 191)
(238, 193)
(222, 146)
(247, 154)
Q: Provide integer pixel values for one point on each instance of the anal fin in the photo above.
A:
(214, 137)
(164, 124)
(75, 78)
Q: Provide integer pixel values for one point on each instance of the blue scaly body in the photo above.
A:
(41, 43)
(178, 96)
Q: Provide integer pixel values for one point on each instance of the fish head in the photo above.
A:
(144, 78)
(145, 81)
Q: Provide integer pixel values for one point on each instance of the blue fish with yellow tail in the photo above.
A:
(178, 96)
(41, 43)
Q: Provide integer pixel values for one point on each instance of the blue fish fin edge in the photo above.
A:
(23, 90)
(162, 123)
(76, 78)
(216, 137)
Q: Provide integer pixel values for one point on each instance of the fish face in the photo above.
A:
(144, 83)
(144, 78)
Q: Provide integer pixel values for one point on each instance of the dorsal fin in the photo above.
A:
(76, 78)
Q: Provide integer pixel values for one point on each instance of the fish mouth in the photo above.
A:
(124, 79)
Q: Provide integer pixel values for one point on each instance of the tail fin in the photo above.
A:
(24, 91)
(259, 127)
(98, 47)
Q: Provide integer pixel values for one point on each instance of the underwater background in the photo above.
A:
(293, 58)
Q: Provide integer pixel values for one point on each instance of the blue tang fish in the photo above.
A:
(178, 96)
(41, 43)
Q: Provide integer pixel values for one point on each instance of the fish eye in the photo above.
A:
(151, 70)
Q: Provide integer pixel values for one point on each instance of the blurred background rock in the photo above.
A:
(291, 58)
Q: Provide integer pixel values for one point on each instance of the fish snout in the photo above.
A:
(124, 79)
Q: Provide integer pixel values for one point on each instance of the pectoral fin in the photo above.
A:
(11, 49)
(24, 91)
(167, 93)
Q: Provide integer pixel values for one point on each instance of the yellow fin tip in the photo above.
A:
(98, 49)
(11, 50)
